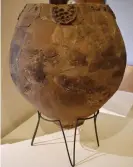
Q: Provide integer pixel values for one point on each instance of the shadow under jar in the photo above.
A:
(67, 59)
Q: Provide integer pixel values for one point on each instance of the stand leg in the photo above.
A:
(95, 125)
(72, 163)
(34, 135)
(74, 143)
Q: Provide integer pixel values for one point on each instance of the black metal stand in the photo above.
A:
(79, 119)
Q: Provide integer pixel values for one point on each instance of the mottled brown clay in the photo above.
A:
(67, 60)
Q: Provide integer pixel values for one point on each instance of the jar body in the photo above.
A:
(67, 60)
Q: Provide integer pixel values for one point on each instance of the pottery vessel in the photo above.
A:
(67, 59)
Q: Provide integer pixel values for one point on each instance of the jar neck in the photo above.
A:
(76, 1)
(90, 1)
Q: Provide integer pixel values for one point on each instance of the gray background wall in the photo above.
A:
(124, 13)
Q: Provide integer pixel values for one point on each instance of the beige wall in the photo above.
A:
(127, 83)
(15, 109)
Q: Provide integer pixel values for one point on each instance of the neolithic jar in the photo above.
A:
(67, 59)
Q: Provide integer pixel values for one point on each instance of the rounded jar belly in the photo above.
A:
(67, 60)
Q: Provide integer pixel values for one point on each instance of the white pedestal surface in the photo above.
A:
(53, 154)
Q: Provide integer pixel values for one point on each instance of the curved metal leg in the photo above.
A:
(72, 163)
(95, 125)
(74, 143)
(34, 135)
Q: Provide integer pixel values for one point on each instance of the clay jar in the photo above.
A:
(67, 60)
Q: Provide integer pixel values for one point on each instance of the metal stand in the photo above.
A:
(71, 162)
